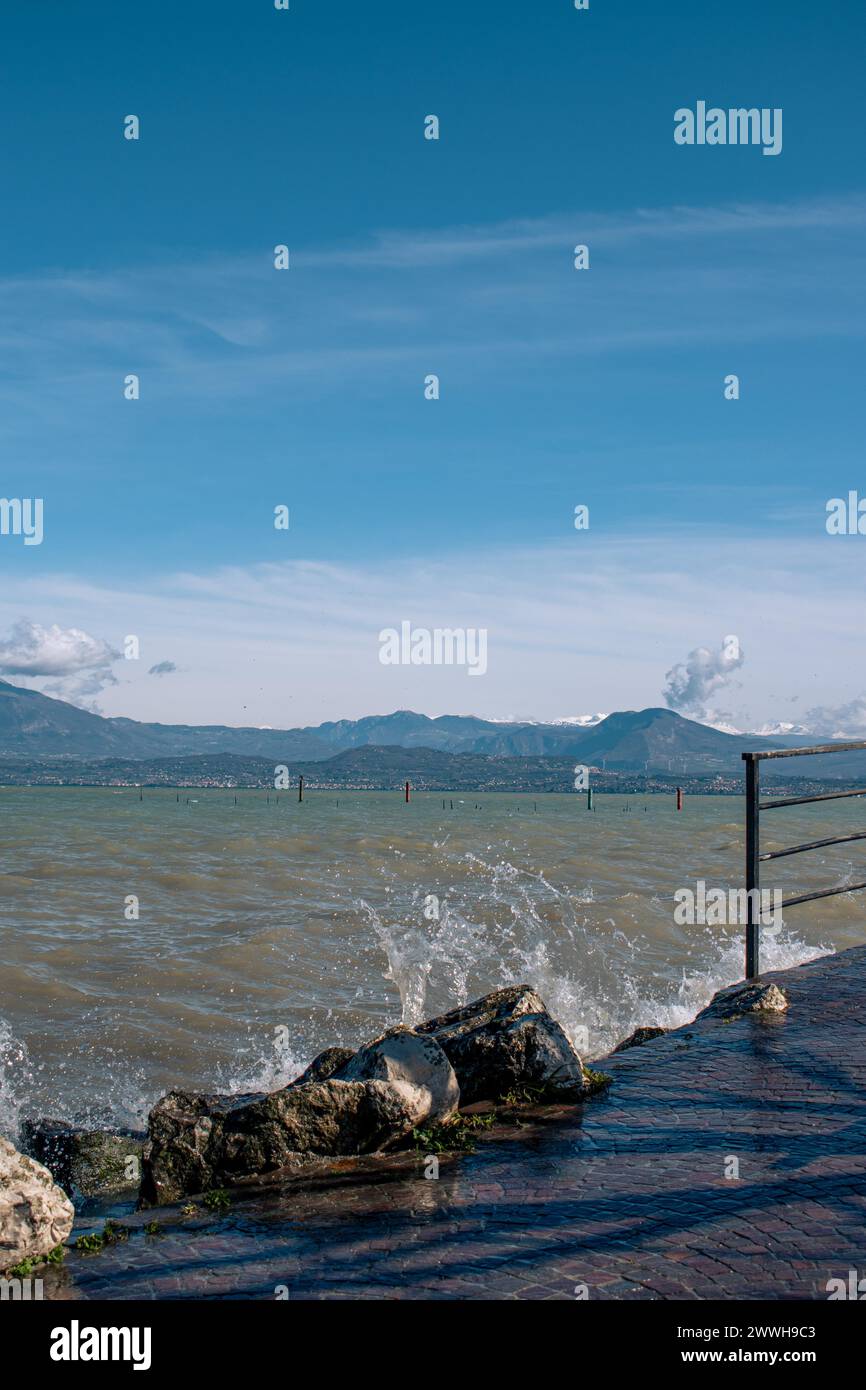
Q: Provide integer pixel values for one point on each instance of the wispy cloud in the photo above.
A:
(453, 245)
(840, 721)
(473, 296)
(588, 626)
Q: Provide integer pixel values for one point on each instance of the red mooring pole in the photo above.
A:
(407, 791)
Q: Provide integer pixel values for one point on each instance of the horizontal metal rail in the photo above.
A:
(804, 800)
(824, 893)
(808, 752)
(754, 858)
(813, 844)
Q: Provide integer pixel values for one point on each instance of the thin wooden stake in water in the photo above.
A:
(679, 798)
(407, 791)
(589, 799)
(301, 788)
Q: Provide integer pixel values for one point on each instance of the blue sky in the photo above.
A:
(411, 257)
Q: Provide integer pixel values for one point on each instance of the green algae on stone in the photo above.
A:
(456, 1135)
(597, 1079)
(90, 1244)
(25, 1268)
(217, 1199)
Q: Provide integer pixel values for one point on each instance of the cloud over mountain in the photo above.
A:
(839, 721)
(78, 664)
(692, 683)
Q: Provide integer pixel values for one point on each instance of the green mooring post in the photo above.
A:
(589, 800)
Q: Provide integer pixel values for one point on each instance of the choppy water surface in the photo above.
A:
(268, 931)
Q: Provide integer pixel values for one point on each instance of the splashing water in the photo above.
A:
(271, 930)
(16, 1080)
(587, 971)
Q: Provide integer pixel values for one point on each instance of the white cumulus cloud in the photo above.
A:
(691, 684)
(77, 665)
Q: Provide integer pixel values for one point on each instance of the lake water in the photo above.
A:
(269, 931)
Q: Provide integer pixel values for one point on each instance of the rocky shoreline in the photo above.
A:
(407, 1089)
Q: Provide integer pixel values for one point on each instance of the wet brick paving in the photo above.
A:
(625, 1197)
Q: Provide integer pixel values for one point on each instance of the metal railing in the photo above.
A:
(754, 857)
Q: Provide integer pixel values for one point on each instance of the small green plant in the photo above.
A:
(189, 1210)
(25, 1267)
(112, 1234)
(456, 1135)
(90, 1245)
(152, 1228)
(553, 1092)
(523, 1095)
(540, 1093)
(217, 1199)
(597, 1079)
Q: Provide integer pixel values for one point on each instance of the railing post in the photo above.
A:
(753, 866)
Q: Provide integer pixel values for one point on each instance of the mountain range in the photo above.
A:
(34, 726)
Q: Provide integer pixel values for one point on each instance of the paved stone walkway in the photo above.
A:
(626, 1195)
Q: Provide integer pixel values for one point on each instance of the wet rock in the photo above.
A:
(347, 1104)
(323, 1067)
(198, 1142)
(35, 1215)
(85, 1162)
(745, 998)
(639, 1037)
(329, 1117)
(404, 1055)
(505, 1041)
(184, 1143)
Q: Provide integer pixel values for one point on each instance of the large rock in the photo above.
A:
(639, 1037)
(403, 1055)
(86, 1162)
(198, 1141)
(348, 1104)
(35, 1215)
(184, 1143)
(745, 998)
(505, 1041)
(328, 1117)
(323, 1067)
